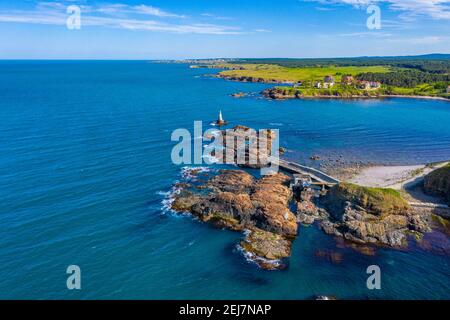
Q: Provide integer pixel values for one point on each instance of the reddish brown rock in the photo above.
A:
(271, 195)
(237, 201)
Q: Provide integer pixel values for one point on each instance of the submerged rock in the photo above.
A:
(331, 256)
(238, 95)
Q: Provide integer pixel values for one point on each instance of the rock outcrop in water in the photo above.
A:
(237, 201)
(245, 147)
(364, 215)
(438, 183)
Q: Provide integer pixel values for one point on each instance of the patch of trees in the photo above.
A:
(433, 63)
(404, 78)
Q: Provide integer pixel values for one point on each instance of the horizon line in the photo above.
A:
(221, 58)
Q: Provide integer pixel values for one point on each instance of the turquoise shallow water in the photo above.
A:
(85, 165)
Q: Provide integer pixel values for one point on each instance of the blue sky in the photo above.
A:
(175, 29)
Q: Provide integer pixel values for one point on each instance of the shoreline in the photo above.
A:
(381, 176)
(406, 179)
(362, 97)
(394, 177)
(245, 79)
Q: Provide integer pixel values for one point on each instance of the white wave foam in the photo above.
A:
(254, 259)
(169, 198)
(190, 172)
(210, 159)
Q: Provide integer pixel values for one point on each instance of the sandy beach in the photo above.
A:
(395, 177)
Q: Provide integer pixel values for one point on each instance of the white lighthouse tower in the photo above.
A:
(220, 121)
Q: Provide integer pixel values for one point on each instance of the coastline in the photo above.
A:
(394, 177)
(323, 97)
(379, 176)
(269, 95)
(417, 97)
(278, 96)
(380, 207)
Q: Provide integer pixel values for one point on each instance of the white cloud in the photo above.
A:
(427, 40)
(436, 9)
(325, 9)
(215, 17)
(366, 34)
(118, 15)
(142, 9)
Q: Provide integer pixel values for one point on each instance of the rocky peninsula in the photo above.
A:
(268, 209)
(261, 209)
(235, 200)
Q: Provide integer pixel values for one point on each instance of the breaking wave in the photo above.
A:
(258, 261)
(188, 174)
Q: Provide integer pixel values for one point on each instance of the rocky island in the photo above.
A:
(235, 200)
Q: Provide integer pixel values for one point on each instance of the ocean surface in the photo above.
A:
(85, 171)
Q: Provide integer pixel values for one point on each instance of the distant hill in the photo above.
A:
(431, 56)
(432, 63)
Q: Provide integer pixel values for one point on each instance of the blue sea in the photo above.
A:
(85, 170)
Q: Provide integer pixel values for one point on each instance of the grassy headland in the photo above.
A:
(349, 91)
(275, 73)
(438, 183)
(377, 201)
(368, 77)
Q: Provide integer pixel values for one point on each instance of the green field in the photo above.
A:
(420, 90)
(409, 82)
(304, 74)
(336, 91)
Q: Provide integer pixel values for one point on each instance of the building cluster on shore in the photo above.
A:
(328, 82)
